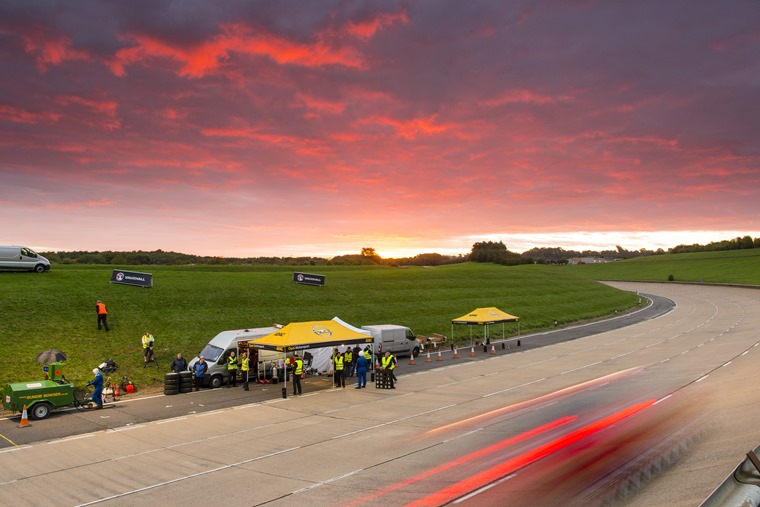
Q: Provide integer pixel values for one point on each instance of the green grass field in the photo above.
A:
(735, 266)
(188, 305)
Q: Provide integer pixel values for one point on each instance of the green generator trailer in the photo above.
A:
(40, 396)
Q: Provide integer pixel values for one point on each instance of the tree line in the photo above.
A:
(484, 251)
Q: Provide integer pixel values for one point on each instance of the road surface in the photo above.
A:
(575, 422)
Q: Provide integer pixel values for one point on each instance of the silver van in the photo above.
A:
(22, 258)
(395, 339)
(218, 350)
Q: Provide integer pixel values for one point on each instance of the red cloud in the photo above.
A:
(367, 29)
(51, 49)
(17, 115)
(208, 56)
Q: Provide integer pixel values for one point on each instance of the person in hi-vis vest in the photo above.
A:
(297, 372)
(232, 368)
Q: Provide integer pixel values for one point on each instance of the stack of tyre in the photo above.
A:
(181, 382)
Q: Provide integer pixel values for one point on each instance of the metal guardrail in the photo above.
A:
(741, 488)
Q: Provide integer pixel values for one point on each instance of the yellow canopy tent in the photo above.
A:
(486, 317)
(311, 335)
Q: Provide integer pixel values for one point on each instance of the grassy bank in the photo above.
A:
(735, 266)
(190, 304)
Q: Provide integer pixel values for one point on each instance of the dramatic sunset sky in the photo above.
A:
(289, 128)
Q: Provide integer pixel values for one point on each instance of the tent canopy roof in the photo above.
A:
(485, 316)
(311, 335)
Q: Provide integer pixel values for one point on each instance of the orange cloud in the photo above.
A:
(410, 129)
(80, 204)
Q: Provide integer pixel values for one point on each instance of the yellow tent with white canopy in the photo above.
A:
(311, 335)
(486, 317)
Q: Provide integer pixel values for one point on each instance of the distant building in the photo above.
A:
(588, 260)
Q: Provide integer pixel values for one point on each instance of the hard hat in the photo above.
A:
(95, 370)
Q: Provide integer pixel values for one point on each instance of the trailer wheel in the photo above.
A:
(40, 410)
(215, 381)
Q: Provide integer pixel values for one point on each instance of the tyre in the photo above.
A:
(185, 389)
(40, 410)
(171, 383)
(215, 381)
(39, 268)
(172, 376)
(171, 390)
(185, 375)
(416, 352)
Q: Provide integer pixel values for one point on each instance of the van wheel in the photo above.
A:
(416, 352)
(40, 410)
(215, 381)
(39, 268)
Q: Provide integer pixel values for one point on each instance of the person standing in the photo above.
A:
(97, 393)
(100, 308)
(361, 371)
(348, 362)
(297, 372)
(245, 366)
(388, 365)
(179, 364)
(201, 367)
(147, 345)
(357, 351)
(339, 379)
(232, 368)
(368, 357)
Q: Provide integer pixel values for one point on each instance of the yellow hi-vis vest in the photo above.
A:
(388, 363)
(349, 356)
(232, 363)
(245, 364)
(299, 367)
(338, 363)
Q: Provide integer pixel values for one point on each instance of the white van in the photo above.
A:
(218, 350)
(399, 340)
(23, 258)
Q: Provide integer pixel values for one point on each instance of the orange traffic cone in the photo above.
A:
(24, 419)
(456, 353)
(493, 350)
(472, 351)
(427, 360)
(439, 356)
(411, 359)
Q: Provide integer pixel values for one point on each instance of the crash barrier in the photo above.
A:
(175, 383)
(383, 379)
(740, 488)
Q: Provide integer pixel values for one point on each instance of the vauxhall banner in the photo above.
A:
(132, 278)
(308, 279)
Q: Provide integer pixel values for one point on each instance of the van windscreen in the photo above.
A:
(211, 352)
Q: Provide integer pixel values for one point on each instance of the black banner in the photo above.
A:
(132, 278)
(308, 279)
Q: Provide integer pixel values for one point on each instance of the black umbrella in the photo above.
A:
(50, 356)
